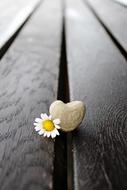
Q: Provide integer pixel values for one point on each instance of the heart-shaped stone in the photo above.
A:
(70, 114)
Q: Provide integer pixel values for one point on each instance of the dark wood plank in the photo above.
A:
(28, 84)
(98, 77)
(114, 17)
(12, 16)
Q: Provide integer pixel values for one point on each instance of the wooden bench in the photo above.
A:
(68, 50)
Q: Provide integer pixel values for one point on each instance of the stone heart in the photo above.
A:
(70, 114)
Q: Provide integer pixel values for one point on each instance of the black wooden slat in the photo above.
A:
(98, 77)
(28, 84)
(12, 16)
(114, 17)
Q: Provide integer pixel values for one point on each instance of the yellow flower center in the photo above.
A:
(48, 125)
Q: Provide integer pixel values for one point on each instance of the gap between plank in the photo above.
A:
(115, 41)
(63, 162)
(16, 26)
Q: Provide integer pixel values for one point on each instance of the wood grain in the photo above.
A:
(113, 15)
(28, 84)
(98, 77)
(12, 16)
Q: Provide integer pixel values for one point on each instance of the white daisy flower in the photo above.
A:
(46, 126)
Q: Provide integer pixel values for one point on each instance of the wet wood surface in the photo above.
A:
(28, 84)
(97, 76)
(12, 16)
(114, 17)
(72, 49)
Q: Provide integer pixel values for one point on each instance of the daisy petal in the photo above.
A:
(45, 134)
(35, 124)
(57, 132)
(50, 117)
(41, 132)
(56, 121)
(53, 135)
(48, 134)
(38, 120)
(57, 126)
(44, 116)
(37, 128)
